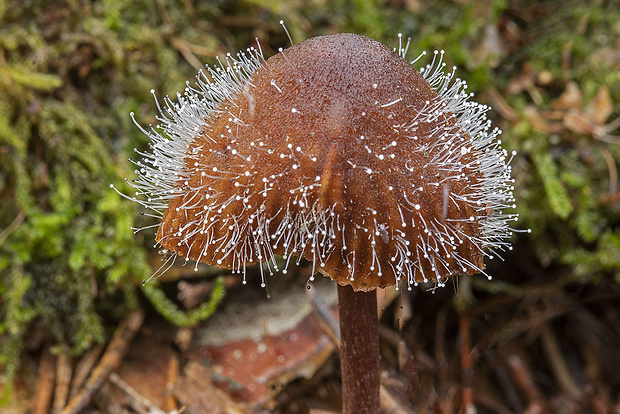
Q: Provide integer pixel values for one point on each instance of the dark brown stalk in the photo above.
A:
(359, 353)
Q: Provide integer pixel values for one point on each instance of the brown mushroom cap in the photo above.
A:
(336, 150)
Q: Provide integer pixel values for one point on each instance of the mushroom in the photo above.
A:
(339, 151)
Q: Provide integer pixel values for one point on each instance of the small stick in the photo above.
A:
(109, 362)
(389, 405)
(45, 383)
(396, 341)
(440, 351)
(526, 384)
(63, 381)
(180, 45)
(600, 405)
(83, 368)
(172, 376)
(323, 316)
(4, 234)
(467, 364)
(437, 408)
(508, 389)
(139, 403)
(558, 363)
(183, 339)
(107, 401)
(492, 404)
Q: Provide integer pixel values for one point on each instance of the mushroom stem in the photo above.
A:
(359, 351)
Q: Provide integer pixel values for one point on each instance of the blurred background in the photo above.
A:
(78, 327)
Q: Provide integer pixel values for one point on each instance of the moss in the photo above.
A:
(564, 179)
(173, 314)
(556, 194)
(17, 317)
(65, 93)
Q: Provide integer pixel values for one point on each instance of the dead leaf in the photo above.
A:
(256, 348)
(601, 106)
(501, 105)
(570, 99)
(578, 123)
(539, 123)
(523, 82)
(198, 394)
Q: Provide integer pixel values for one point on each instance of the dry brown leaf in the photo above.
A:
(257, 348)
(197, 393)
(579, 123)
(571, 98)
(501, 105)
(601, 106)
(523, 82)
(539, 123)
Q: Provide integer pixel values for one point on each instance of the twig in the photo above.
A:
(191, 12)
(600, 404)
(171, 379)
(403, 313)
(611, 167)
(558, 364)
(180, 45)
(389, 405)
(507, 387)
(523, 378)
(440, 352)
(183, 339)
(109, 362)
(324, 318)
(501, 106)
(163, 13)
(386, 296)
(107, 401)
(492, 404)
(136, 400)
(437, 408)
(45, 383)
(397, 341)
(4, 234)
(83, 368)
(63, 381)
(467, 364)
